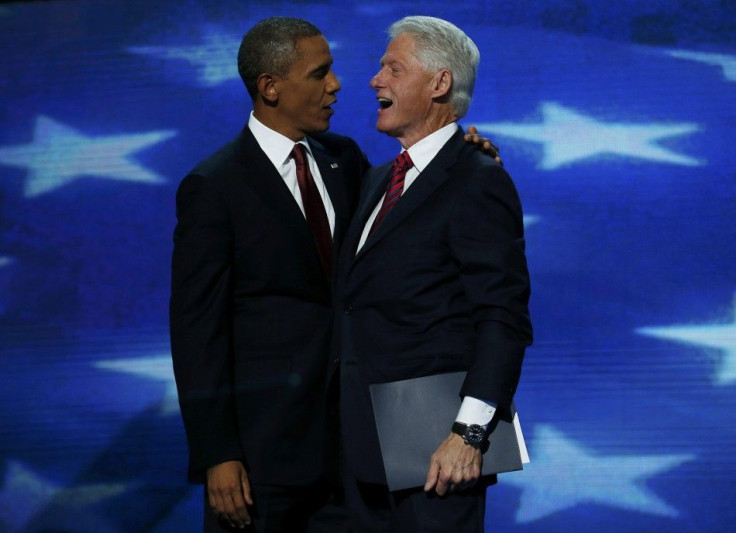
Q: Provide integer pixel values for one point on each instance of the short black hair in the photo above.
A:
(271, 46)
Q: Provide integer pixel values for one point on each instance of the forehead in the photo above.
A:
(313, 52)
(401, 48)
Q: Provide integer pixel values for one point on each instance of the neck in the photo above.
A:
(273, 121)
(432, 123)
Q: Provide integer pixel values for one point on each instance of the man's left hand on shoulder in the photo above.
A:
(454, 466)
(484, 143)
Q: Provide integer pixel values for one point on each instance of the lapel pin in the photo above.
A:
(333, 165)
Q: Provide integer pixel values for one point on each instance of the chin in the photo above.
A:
(320, 128)
(383, 128)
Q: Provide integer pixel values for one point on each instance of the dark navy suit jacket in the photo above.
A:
(251, 311)
(441, 285)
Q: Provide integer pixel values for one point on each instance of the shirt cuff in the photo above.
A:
(474, 411)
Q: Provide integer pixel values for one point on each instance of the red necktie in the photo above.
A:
(402, 163)
(314, 208)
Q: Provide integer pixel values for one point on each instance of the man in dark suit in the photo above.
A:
(251, 309)
(432, 278)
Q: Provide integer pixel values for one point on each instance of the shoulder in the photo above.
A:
(236, 158)
(480, 169)
(219, 162)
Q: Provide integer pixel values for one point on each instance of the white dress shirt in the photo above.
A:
(278, 150)
(472, 410)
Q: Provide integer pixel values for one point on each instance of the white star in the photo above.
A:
(720, 336)
(726, 62)
(60, 154)
(530, 219)
(158, 368)
(24, 494)
(569, 136)
(215, 59)
(563, 474)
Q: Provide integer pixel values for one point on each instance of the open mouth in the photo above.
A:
(385, 103)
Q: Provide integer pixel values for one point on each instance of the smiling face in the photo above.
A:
(302, 99)
(408, 94)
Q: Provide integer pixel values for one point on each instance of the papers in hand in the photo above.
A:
(414, 416)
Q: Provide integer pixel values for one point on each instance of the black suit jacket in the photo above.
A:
(441, 285)
(251, 311)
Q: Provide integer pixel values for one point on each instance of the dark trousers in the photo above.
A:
(373, 509)
(315, 508)
(318, 507)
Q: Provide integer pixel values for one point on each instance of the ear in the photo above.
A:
(442, 83)
(267, 88)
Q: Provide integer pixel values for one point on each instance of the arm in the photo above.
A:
(487, 240)
(200, 323)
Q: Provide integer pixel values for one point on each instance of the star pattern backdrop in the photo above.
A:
(615, 120)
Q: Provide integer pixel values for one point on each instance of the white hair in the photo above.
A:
(442, 45)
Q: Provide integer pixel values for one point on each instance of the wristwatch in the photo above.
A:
(473, 434)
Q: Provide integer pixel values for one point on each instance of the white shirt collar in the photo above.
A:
(423, 152)
(277, 147)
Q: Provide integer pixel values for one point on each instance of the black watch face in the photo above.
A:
(474, 434)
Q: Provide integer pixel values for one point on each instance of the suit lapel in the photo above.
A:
(266, 182)
(432, 177)
(374, 187)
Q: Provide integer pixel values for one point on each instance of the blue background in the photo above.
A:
(615, 120)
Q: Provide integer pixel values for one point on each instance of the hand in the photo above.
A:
(228, 492)
(483, 143)
(454, 466)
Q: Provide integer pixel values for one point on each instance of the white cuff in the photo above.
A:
(474, 411)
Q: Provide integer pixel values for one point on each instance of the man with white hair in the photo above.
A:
(432, 278)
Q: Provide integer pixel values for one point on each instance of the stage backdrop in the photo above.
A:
(616, 120)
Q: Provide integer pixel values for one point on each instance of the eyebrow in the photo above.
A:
(391, 62)
(324, 67)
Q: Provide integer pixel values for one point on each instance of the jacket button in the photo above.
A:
(336, 361)
(348, 309)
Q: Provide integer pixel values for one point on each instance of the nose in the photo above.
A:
(376, 80)
(333, 83)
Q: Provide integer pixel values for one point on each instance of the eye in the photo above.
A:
(320, 74)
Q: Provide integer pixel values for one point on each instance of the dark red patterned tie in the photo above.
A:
(314, 208)
(401, 165)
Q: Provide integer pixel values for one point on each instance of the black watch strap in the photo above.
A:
(473, 434)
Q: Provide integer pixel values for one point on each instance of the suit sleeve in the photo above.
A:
(487, 241)
(201, 322)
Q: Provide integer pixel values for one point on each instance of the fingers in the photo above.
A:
(488, 147)
(465, 477)
(432, 475)
(245, 485)
(443, 482)
(457, 478)
(454, 466)
(229, 506)
(228, 491)
(484, 143)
